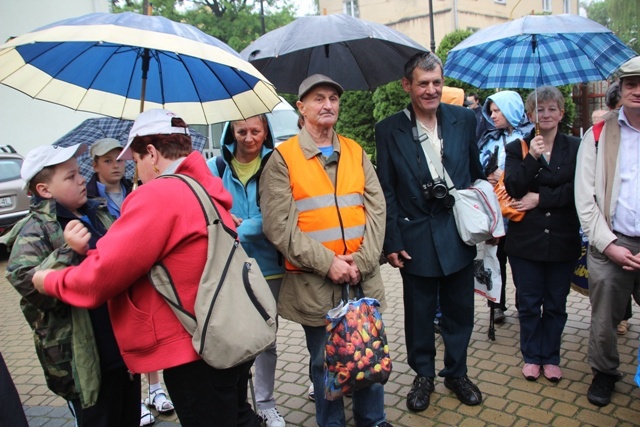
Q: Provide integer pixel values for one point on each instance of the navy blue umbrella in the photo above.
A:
(92, 130)
(537, 50)
(119, 64)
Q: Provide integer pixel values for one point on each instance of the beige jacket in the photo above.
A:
(597, 184)
(305, 298)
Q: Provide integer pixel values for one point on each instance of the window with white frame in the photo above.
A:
(566, 6)
(350, 7)
(546, 5)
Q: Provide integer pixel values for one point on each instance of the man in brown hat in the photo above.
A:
(606, 193)
(324, 210)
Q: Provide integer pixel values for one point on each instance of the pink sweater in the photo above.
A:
(161, 220)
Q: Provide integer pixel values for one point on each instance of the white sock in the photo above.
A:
(154, 387)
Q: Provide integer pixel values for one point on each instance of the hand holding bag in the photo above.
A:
(505, 200)
(357, 351)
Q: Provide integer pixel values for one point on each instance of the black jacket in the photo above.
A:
(550, 231)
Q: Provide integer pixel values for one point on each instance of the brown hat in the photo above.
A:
(316, 80)
(630, 68)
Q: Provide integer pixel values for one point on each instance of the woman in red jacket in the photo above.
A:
(160, 221)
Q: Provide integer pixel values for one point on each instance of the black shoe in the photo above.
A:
(466, 391)
(601, 387)
(384, 424)
(418, 397)
(498, 316)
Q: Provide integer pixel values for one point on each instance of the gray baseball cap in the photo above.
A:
(103, 146)
(316, 80)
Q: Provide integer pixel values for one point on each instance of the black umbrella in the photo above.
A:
(360, 55)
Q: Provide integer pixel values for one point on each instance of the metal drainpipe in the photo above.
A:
(455, 15)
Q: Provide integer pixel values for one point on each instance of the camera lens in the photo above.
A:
(439, 191)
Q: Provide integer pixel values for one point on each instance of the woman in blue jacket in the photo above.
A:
(245, 151)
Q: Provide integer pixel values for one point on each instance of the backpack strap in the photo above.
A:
(209, 209)
(159, 275)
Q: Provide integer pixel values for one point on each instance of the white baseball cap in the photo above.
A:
(47, 155)
(151, 122)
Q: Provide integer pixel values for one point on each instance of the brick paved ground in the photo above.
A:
(509, 400)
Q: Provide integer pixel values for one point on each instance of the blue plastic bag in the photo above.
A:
(638, 371)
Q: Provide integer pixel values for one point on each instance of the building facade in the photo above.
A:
(412, 17)
(25, 122)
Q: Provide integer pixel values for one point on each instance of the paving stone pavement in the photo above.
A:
(509, 400)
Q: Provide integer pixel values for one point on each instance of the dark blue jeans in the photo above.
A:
(204, 396)
(368, 403)
(543, 288)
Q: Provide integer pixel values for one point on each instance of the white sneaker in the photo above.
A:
(312, 395)
(271, 417)
(146, 418)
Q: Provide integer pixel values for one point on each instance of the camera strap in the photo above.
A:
(432, 156)
(421, 139)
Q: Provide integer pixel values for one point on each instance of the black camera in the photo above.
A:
(438, 190)
(435, 189)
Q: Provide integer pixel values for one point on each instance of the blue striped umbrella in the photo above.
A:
(119, 64)
(537, 50)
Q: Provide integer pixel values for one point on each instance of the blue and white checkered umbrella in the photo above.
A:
(537, 50)
(92, 130)
(120, 64)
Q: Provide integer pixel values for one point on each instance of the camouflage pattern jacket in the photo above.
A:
(63, 335)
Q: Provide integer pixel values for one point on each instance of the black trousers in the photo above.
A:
(204, 396)
(118, 403)
(11, 412)
(456, 324)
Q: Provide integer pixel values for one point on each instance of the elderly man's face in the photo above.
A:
(320, 107)
(630, 93)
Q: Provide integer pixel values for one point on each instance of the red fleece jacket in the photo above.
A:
(161, 220)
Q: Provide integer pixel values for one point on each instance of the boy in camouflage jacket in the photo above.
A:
(73, 357)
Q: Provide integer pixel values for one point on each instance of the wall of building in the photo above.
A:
(411, 17)
(27, 123)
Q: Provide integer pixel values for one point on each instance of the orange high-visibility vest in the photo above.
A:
(334, 216)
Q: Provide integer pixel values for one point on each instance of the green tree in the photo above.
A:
(389, 99)
(234, 22)
(356, 119)
(620, 16)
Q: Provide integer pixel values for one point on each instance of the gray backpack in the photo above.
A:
(235, 310)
